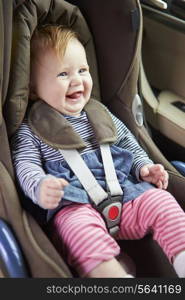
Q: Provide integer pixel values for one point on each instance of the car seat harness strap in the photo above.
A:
(110, 173)
(109, 203)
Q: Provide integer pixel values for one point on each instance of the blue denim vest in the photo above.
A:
(41, 116)
(74, 192)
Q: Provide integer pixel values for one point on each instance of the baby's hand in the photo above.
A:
(155, 174)
(51, 192)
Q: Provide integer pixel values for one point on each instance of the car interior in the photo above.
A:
(163, 65)
(137, 74)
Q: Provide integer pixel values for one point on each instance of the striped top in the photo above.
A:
(29, 152)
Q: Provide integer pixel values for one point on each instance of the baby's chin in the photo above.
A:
(72, 112)
(75, 106)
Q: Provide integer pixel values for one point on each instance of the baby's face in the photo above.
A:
(66, 83)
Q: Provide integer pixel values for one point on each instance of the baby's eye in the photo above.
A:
(82, 70)
(62, 74)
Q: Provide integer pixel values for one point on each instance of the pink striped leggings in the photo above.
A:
(81, 235)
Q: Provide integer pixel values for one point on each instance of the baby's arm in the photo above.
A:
(143, 167)
(50, 192)
(44, 190)
(156, 174)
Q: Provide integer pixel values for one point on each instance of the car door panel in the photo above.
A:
(171, 118)
(163, 74)
(164, 55)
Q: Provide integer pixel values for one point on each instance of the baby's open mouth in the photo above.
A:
(75, 95)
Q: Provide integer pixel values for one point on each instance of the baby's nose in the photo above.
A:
(76, 80)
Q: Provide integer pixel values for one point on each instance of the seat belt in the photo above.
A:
(110, 173)
(109, 204)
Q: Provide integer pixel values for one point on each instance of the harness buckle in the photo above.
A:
(110, 209)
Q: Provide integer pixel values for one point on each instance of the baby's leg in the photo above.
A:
(158, 212)
(110, 268)
(86, 244)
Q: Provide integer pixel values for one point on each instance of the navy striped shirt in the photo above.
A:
(29, 152)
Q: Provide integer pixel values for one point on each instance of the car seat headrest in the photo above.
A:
(28, 15)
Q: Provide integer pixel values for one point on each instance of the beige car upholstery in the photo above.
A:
(163, 55)
(163, 60)
(170, 119)
(162, 114)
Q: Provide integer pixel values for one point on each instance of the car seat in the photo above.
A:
(111, 32)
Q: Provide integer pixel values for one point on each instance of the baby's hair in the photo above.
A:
(55, 37)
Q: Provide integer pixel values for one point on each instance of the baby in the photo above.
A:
(60, 77)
